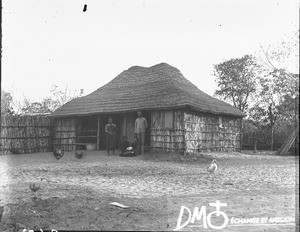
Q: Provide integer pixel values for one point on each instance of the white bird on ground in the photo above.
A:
(213, 166)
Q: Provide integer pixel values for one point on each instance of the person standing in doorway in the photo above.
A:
(110, 130)
(139, 130)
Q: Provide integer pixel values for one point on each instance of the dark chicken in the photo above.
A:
(58, 154)
(34, 187)
(78, 154)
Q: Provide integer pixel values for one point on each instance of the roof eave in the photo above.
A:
(147, 109)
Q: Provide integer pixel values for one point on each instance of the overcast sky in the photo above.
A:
(47, 42)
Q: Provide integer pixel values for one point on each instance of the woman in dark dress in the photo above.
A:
(110, 130)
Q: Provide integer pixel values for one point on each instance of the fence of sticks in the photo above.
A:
(25, 134)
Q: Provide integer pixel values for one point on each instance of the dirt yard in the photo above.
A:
(75, 193)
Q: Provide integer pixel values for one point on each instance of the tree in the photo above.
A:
(266, 107)
(34, 107)
(276, 99)
(278, 88)
(6, 102)
(236, 80)
(59, 97)
(281, 57)
(49, 104)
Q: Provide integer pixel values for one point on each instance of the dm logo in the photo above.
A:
(201, 214)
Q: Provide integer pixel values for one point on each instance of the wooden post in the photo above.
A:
(241, 134)
(98, 133)
(124, 125)
(74, 134)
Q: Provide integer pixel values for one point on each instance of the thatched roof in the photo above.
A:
(138, 88)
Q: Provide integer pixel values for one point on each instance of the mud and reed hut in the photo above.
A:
(181, 117)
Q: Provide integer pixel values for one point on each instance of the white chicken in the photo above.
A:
(213, 166)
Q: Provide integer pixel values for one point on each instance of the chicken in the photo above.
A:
(213, 166)
(78, 154)
(58, 154)
(34, 187)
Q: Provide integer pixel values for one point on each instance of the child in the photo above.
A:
(128, 149)
(124, 145)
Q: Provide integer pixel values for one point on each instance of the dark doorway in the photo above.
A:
(87, 129)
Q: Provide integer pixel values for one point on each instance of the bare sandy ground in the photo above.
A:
(75, 194)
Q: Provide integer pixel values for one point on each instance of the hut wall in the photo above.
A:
(65, 134)
(167, 139)
(25, 134)
(205, 132)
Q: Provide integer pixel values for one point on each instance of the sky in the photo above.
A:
(53, 42)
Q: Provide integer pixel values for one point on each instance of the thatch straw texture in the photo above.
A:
(138, 88)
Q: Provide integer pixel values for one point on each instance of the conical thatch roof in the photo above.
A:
(138, 88)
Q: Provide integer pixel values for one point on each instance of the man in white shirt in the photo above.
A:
(139, 130)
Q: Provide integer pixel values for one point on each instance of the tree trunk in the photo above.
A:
(255, 147)
(272, 137)
(272, 118)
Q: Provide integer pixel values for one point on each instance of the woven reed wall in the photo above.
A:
(167, 139)
(65, 134)
(203, 133)
(25, 134)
